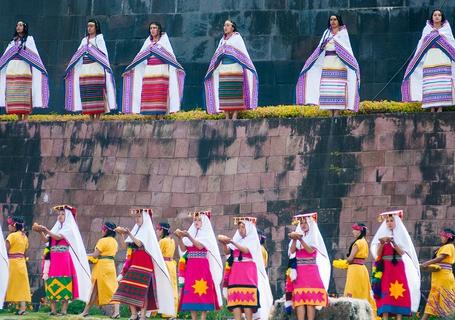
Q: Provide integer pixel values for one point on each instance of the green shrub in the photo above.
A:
(280, 111)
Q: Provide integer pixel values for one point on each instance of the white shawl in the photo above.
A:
(251, 241)
(37, 78)
(313, 74)
(416, 78)
(99, 43)
(70, 232)
(146, 234)
(174, 95)
(235, 41)
(411, 262)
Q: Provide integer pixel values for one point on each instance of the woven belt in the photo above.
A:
(197, 254)
(389, 258)
(358, 261)
(168, 259)
(106, 257)
(445, 266)
(59, 248)
(330, 53)
(236, 259)
(16, 255)
(305, 261)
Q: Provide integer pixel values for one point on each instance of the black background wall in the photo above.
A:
(280, 35)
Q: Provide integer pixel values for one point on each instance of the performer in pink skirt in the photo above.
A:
(309, 276)
(69, 272)
(245, 278)
(396, 257)
(200, 267)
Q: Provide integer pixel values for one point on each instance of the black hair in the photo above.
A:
(362, 235)
(448, 230)
(166, 229)
(340, 20)
(110, 226)
(160, 27)
(23, 39)
(443, 17)
(97, 25)
(234, 25)
(451, 240)
(261, 237)
(19, 224)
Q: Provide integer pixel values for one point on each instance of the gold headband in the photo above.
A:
(196, 214)
(237, 220)
(383, 216)
(138, 212)
(299, 218)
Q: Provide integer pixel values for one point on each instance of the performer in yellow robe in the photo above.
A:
(358, 280)
(18, 284)
(167, 246)
(104, 275)
(442, 281)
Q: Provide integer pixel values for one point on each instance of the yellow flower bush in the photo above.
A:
(280, 111)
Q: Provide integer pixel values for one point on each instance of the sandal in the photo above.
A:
(135, 317)
(21, 313)
(116, 316)
(52, 314)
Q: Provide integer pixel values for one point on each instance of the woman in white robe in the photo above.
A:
(153, 82)
(430, 76)
(23, 77)
(330, 77)
(89, 80)
(231, 82)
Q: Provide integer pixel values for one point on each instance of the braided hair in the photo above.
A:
(166, 229)
(362, 235)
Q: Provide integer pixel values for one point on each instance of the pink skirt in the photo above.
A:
(308, 288)
(243, 283)
(198, 292)
(62, 282)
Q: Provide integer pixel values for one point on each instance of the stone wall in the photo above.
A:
(347, 169)
(280, 35)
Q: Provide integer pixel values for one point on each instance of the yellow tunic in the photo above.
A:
(442, 282)
(358, 280)
(18, 284)
(167, 246)
(104, 274)
(265, 256)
